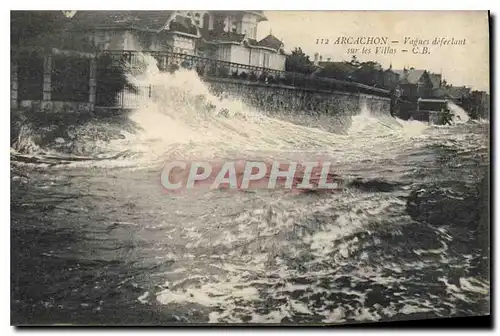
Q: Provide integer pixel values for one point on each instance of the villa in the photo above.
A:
(221, 35)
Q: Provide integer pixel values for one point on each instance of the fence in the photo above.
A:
(30, 76)
(131, 98)
(70, 79)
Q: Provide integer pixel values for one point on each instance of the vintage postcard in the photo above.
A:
(249, 167)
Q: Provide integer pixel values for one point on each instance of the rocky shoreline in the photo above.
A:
(68, 134)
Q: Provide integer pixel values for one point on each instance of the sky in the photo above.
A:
(466, 64)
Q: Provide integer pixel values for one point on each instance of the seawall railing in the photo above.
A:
(217, 68)
(210, 69)
(99, 79)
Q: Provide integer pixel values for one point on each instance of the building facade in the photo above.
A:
(414, 83)
(222, 35)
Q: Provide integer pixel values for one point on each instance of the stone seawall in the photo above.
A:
(271, 99)
(282, 99)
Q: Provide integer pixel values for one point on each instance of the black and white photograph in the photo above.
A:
(249, 167)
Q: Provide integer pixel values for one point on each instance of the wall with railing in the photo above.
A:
(207, 67)
(54, 79)
(285, 100)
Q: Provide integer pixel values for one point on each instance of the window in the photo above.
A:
(265, 62)
(206, 22)
(197, 15)
(254, 32)
(420, 86)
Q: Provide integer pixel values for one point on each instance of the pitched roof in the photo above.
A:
(156, 20)
(147, 20)
(414, 76)
(409, 76)
(213, 35)
(183, 24)
(270, 41)
(141, 20)
(260, 14)
(435, 79)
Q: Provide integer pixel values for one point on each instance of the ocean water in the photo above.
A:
(95, 240)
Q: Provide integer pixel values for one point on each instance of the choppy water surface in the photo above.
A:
(97, 241)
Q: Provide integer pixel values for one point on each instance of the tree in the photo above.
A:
(298, 61)
(338, 70)
(369, 73)
(28, 25)
(476, 104)
(47, 29)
